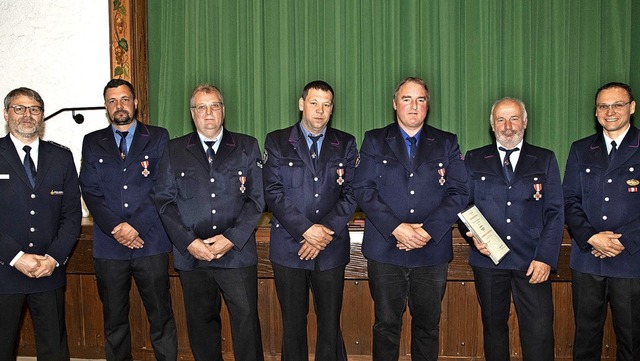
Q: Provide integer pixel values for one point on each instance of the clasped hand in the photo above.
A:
(411, 236)
(35, 265)
(606, 244)
(127, 236)
(316, 239)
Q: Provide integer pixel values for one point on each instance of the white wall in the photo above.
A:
(61, 50)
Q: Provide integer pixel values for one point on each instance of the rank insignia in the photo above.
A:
(633, 182)
(538, 188)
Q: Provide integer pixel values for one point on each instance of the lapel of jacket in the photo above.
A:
(492, 161)
(195, 147)
(627, 148)
(299, 144)
(45, 160)
(425, 146)
(8, 151)
(397, 145)
(525, 162)
(597, 153)
(227, 146)
(108, 142)
(141, 138)
(330, 145)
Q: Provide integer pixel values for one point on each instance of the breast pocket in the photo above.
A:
(292, 172)
(387, 170)
(186, 183)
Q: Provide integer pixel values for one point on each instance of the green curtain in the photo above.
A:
(552, 54)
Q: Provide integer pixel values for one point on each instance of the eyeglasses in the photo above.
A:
(202, 108)
(615, 106)
(21, 109)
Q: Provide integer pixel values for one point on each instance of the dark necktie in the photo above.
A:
(614, 149)
(210, 153)
(123, 143)
(29, 166)
(313, 151)
(507, 167)
(412, 149)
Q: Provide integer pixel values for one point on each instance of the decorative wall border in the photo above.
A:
(128, 48)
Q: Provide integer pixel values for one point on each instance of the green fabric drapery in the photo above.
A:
(552, 54)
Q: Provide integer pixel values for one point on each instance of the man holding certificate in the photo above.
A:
(516, 186)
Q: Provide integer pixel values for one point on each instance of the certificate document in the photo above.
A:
(483, 232)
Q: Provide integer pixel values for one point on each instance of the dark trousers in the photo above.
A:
(152, 279)
(591, 294)
(392, 289)
(47, 313)
(534, 307)
(202, 290)
(292, 286)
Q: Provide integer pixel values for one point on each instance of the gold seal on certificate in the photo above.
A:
(483, 232)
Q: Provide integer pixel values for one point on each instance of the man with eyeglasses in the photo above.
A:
(39, 225)
(119, 163)
(516, 186)
(209, 195)
(308, 169)
(600, 186)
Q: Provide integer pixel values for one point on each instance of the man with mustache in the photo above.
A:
(601, 206)
(517, 188)
(39, 225)
(129, 241)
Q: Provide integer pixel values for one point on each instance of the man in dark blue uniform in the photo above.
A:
(517, 188)
(39, 225)
(118, 166)
(601, 208)
(411, 183)
(308, 170)
(209, 194)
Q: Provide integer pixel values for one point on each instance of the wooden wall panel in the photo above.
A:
(460, 330)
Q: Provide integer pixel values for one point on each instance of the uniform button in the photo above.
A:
(290, 164)
(508, 238)
(316, 195)
(100, 160)
(182, 174)
(535, 179)
(315, 179)
(30, 245)
(609, 180)
(482, 178)
(606, 199)
(32, 229)
(213, 195)
(215, 227)
(509, 204)
(411, 211)
(212, 180)
(509, 187)
(631, 169)
(239, 172)
(317, 211)
(384, 161)
(340, 165)
(213, 211)
(508, 220)
(125, 187)
(412, 192)
(126, 205)
(124, 170)
(604, 218)
(440, 165)
(588, 170)
(146, 157)
(411, 175)
(33, 196)
(33, 212)
(277, 226)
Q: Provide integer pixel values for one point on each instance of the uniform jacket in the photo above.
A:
(194, 204)
(117, 190)
(604, 197)
(44, 220)
(530, 224)
(390, 191)
(300, 196)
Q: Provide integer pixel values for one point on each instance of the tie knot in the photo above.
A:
(412, 140)
(210, 143)
(122, 134)
(614, 145)
(509, 151)
(27, 149)
(315, 138)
